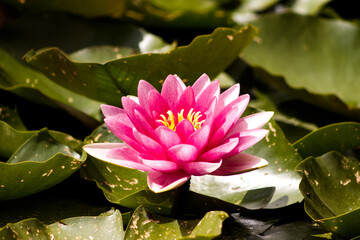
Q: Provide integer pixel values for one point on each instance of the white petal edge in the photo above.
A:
(175, 182)
(101, 150)
(240, 163)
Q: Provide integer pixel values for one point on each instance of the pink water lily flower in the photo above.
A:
(182, 131)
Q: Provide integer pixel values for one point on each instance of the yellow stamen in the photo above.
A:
(193, 117)
(190, 115)
(181, 115)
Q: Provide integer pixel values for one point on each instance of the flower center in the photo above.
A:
(170, 121)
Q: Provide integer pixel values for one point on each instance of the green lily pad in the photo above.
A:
(71, 34)
(151, 226)
(11, 117)
(284, 223)
(108, 82)
(42, 159)
(318, 49)
(33, 85)
(101, 54)
(292, 127)
(71, 198)
(108, 225)
(43, 147)
(256, 5)
(279, 174)
(179, 13)
(331, 185)
(106, 53)
(11, 139)
(309, 7)
(339, 137)
(77, 34)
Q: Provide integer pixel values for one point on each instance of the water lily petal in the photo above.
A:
(202, 168)
(210, 112)
(158, 105)
(247, 139)
(116, 153)
(109, 111)
(161, 165)
(200, 84)
(145, 127)
(186, 101)
(199, 138)
(250, 122)
(143, 94)
(124, 131)
(167, 137)
(100, 150)
(218, 152)
(161, 182)
(180, 81)
(152, 147)
(184, 129)
(133, 110)
(182, 153)
(203, 100)
(221, 126)
(242, 162)
(228, 96)
(117, 114)
(171, 90)
(227, 117)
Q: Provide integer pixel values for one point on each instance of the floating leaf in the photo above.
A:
(257, 5)
(100, 54)
(292, 127)
(105, 226)
(71, 33)
(279, 174)
(108, 225)
(26, 82)
(43, 147)
(179, 13)
(11, 139)
(11, 117)
(70, 198)
(339, 137)
(318, 49)
(43, 160)
(108, 82)
(284, 223)
(33, 85)
(151, 226)
(331, 185)
(106, 53)
(309, 7)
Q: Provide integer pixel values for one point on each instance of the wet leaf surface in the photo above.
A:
(34, 164)
(328, 180)
(108, 82)
(302, 43)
